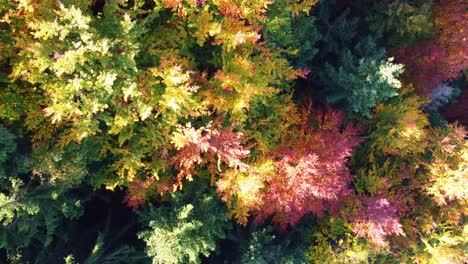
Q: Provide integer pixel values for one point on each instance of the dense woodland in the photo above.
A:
(233, 131)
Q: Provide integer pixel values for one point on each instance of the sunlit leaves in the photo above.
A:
(244, 191)
(60, 64)
(157, 96)
(305, 175)
(398, 127)
(376, 220)
(448, 170)
(185, 231)
(87, 70)
(221, 146)
(444, 245)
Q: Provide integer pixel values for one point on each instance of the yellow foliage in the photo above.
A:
(242, 192)
(448, 176)
(446, 247)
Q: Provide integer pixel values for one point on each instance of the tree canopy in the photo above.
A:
(229, 131)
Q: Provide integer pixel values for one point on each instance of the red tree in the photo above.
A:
(442, 58)
(458, 111)
(312, 171)
(376, 220)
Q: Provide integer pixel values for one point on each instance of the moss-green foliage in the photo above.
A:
(186, 227)
(398, 127)
(400, 23)
(265, 247)
(396, 136)
(29, 210)
(351, 70)
(337, 30)
(7, 148)
(330, 240)
(296, 35)
(260, 244)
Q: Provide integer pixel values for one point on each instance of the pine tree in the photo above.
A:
(361, 82)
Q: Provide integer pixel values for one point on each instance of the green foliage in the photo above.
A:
(67, 167)
(184, 229)
(33, 217)
(330, 240)
(402, 23)
(348, 250)
(444, 245)
(396, 142)
(7, 148)
(361, 82)
(398, 127)
(29, 210)
(297, 35)
(266, 247)
(70, 43)
(163, 101)
(337, 30)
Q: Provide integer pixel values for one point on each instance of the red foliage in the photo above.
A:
(312, 171)
(459, 110)
(376, 220)
(423, 65)
(451, 18)
(197, 147)
(139, 191)
(219, 145)
(440, 59)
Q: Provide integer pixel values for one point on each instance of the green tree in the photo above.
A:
(399, 24)
(31, 212)
(265, 247)
(364, 78)
(186, 227)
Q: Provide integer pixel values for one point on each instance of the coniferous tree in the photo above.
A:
(188, 227)
(205, 115)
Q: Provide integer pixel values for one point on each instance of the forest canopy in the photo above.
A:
(232, 131)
